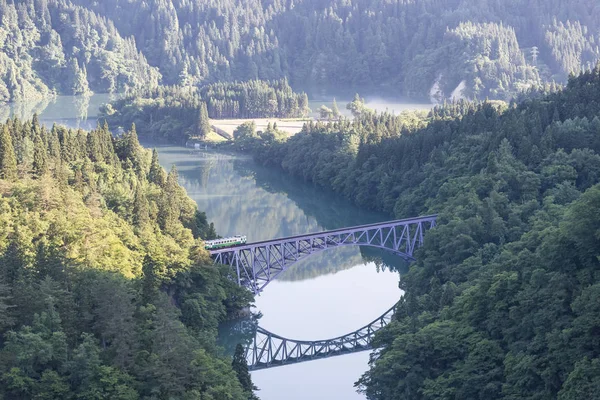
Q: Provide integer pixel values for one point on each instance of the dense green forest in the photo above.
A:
(176, 113)
(503, 301)
(419, 48)
(494, 46)
(106, 291)
(50, 46)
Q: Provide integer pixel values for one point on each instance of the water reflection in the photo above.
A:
(72, 111)
(241, 197)
(324, 296)
(23, 110)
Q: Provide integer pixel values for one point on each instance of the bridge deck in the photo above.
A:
(333, 232)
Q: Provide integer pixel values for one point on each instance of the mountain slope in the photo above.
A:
(106, 290)
(502, 302)
(53, 46)
(416, 48)
(401, 45)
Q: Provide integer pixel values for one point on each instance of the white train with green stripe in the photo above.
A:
(225, 242)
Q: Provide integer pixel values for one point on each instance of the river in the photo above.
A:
(327, 295)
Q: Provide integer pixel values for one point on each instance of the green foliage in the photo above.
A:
(156, 174)
(425, 49)
(325, 112)
(254, 99)
(357, 106)
(502, 302)
(240, 367)
(52, 47)
(176, 114)
(97, 247)
(335, 110)
(8, 161)
(403, 46)
(203, 121)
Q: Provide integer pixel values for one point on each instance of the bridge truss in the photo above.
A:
(269, 350)
(257, 264)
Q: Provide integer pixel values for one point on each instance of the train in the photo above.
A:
(225, 242)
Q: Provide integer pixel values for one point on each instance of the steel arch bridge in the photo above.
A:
(269, 350)
(257, 264)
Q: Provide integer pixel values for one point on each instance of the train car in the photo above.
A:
(225, 242)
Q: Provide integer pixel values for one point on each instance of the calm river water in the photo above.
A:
(325, 296)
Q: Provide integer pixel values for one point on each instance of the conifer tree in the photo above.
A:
(35, 123)
(203, 121)
(14, 261)
(93, 146)
(150, 280)
(8, 160)
(54, 143)
(40, 164)
(140, 208)
(6, 319)
(240, 366)
(335, 110)
(157, 173)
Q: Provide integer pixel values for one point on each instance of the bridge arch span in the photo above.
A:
(257, 264)
(269, 350)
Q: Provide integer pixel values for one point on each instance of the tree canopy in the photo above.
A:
(502, 302)
(106, 290)
(423, 49)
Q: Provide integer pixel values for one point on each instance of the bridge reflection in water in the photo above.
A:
(257, 264)
(268, 350)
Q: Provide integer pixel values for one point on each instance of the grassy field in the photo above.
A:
(214, 137)
(291, 126)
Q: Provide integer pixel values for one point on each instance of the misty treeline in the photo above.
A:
(106, 291)
(176, 113)
(502, 302)
(417, 48)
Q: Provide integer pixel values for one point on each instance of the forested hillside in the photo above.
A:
(406, 45)
(176, 113)
(503, 301)
(52, 46)
(424, 48)
(106, 291)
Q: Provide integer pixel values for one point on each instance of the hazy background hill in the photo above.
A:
(419, 48)
(49, 46)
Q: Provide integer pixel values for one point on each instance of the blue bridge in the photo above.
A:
(257, 264)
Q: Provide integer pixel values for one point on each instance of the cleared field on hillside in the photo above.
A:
(291, 126)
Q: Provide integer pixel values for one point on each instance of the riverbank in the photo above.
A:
(354, 285)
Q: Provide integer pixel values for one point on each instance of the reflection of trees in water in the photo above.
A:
(243, 198)
(237, 331)
(330, 210)
(327, 262)
(71, 111)
(23, 110)
(205, 168)
(342, 258)
(384, 260)
(236, 205)
(81, 105)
